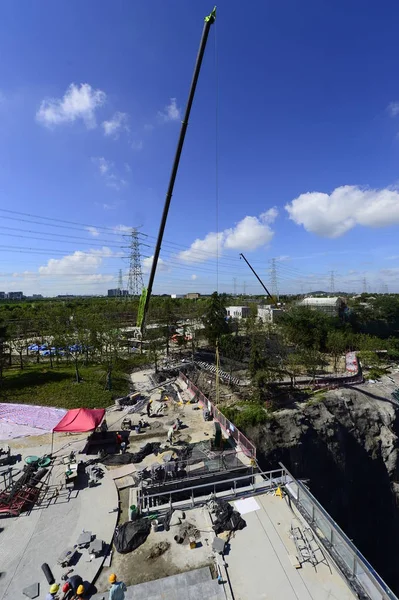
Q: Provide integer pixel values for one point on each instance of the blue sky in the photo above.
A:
(305, 134)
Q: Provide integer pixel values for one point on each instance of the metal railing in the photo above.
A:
(356, 568)
(271, 480)
(247, 447)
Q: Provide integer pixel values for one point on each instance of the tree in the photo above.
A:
(312, 359)
(336, 345)
(3, 339)
(232, 348)
(307, 328)
(214, 319)
(293, 366)
(257, 360)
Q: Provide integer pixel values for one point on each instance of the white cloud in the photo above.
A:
(147, 264)
(112, 206)
(119, 122)
(202, 250)
(93, 231)
(103, 165)
(2, 97)
(171, 112)
(79, 102)
(128, 168)
(122, 229)
(393, 109)
(78, 262)
(106, 169)
(193, 277)
(248, 234)
(251, 232)
(332, 215)
(137, 145)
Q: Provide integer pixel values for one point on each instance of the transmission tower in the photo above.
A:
(135, 280)
(273, 277)
(120, 281)
(332, 282)
(364, 285)
(235, 285)
(244, 287)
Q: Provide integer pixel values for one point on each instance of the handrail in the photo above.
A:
(222, 482)
(358, 558)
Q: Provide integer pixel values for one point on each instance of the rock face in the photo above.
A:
(346, 447)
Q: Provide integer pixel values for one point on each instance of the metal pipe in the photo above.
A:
(209, 20)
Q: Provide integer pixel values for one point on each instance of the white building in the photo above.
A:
(269, 314)
(238, 312)
(332, 305)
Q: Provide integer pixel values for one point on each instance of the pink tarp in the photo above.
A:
(18, 420)
(79, 420)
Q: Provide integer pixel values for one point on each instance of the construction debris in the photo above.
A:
(158, 549)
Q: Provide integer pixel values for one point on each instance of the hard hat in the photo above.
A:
(54, 588)
(112, 578)
(80, 590)
(65, 587)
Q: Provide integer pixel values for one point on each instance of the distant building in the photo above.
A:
(174, 296)
(332, 305)
(15, 295)
(36, 296)
(238, 312)
(193, 296)
(3, 295)
(117, 293)
(268, 313)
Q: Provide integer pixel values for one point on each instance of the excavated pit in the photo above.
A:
(346, 449)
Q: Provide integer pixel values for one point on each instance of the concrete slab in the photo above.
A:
(192, 585)
(122, 471)
(32, 591)
(259, 562)
(42, 535)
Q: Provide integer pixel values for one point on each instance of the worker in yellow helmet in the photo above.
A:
(80, 592)
(52, 594)
(118, 588)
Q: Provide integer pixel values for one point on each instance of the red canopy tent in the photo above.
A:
(79, 420)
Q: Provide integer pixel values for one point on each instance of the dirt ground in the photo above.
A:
(138, 566)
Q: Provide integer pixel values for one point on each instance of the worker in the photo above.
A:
(149, 408)
(52, 594)
(118, 588)
(171, 434)
(80, 592)
(118, 440)
(123, 447)
(71, 586)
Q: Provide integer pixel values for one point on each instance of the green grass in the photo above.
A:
(39, 384)
(246, 415)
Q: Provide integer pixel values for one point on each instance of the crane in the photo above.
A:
(258, 278)
(146, 295)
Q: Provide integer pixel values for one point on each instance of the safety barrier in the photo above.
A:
(357, 570)
(247, 447)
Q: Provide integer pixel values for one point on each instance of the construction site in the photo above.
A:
(165, 492)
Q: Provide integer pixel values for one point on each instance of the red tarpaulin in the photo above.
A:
(79, 420)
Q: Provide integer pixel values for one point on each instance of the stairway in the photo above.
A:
(193, 585)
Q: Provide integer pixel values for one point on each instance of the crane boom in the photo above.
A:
(258, 278)
(209, 20)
